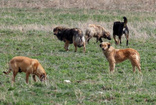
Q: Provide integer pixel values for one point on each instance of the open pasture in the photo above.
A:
(28, 32)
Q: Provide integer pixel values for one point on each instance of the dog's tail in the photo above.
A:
(7, 72)
(125, 20)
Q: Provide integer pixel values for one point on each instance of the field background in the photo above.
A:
(26, 29)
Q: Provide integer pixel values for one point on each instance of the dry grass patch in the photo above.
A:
(130, 5)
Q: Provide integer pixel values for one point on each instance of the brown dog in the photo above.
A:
(96, 31)
(27, 65)
(69, 36)
(118, 55)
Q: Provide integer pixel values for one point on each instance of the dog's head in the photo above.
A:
(42, 73)
(105, 46)
(107, 35)
(39, 70)
(43, 77)
(57, 30)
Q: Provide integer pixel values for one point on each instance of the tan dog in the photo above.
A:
(27, 65)
(98, 32)
(115, 56)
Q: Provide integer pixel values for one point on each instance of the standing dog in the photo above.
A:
(115, 56)
(120, 28)
(27, 65)
(69, 36)
(98, 32)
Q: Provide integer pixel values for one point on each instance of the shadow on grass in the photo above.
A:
(62, 51)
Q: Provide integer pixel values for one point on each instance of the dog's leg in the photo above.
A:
(34, 77)
(66, 45)
(127, 37)
(133, 68)
(138, 65)
(135, 63)
(97, 39)
(88, 39)
(116, 41)
(112, 66)
(139, 68)
(100, 40)
(75, 47)
(14, 75)
(84, 47)
(27, 77)
(127, 43)
(119, 40)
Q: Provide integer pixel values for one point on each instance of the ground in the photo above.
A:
(28, 32)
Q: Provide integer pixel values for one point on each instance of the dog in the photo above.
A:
(96, 31)
(27, 65)
(69, 36)
(115, 56)
(120, 28)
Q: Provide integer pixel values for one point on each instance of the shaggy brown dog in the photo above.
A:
(98, 32)
(115, 56)
(69, 36)
(120, 28)
(27, 65)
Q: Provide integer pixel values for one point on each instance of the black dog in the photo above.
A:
(120, 28)
(69, 36)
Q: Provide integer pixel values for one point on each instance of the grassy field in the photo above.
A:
(28, 32)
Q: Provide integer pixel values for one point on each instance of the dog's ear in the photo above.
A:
(42, 76)
(109, 45)
(35, 65)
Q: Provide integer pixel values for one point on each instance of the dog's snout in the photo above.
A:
(43, 79)
(55, 33)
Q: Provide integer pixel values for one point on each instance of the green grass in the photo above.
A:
(91, 81)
